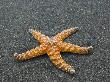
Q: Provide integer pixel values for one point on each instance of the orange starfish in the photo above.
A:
(53, 46)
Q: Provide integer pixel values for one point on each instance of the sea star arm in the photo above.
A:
(64, 34)
(68, 47)
(39, 36)
(38, 51)
(55, 57)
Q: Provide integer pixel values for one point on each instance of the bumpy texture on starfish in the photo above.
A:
(53, 46)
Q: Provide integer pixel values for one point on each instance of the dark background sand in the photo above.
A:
(50, 17)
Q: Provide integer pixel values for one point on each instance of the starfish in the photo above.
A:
(53, 46)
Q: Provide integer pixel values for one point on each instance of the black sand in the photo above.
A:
(50, 17)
